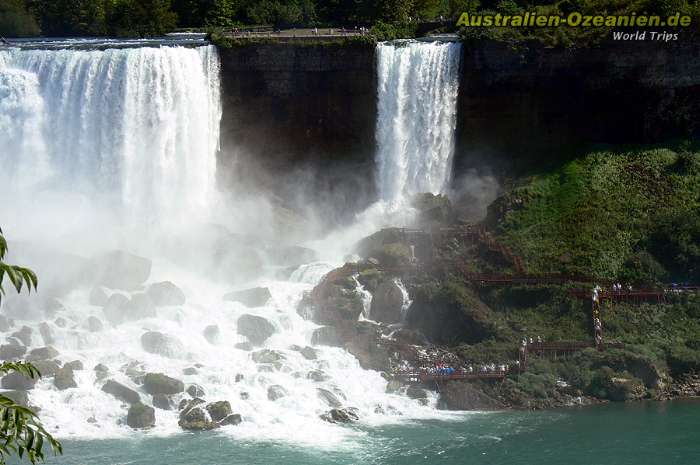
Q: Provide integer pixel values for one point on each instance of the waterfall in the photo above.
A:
(136, 126)
(418, 84)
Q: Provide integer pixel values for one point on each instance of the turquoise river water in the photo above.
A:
(650, 433)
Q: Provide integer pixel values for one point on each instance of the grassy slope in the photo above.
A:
(594, 215)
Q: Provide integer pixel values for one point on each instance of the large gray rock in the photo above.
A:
(141, 416)
(24, 335)
(64, 379)
(256, 328)
(46, 333)
(18, 397)
(98, 296)
(219, 410)
(194, 417)
(75, 365)
(162, 402)
(47, 367)
(255, 297)
(233, 419)
(195, 390)
(166, 293)
(138, 307)
(12, 352)
(162, 344)
(387, 302)
(113, 308)
(212, 334)
(42, 353)
(93, 324)
(326, 336)
(122, 270)
(275, 392)
(121, 392)
(266, 356)
(158, 383)
(340, 415)
(17, 381)
(328, 397)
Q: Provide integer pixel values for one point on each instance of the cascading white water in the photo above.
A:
(137, 125)
(418, 84)
(137, 130)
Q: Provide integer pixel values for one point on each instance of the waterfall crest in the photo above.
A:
(139, 126)
(418, 84)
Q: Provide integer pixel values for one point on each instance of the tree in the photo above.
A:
(21, 432)
(16, 20)
(71, 17)
(141, 18)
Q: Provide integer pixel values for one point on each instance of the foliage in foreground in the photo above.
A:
(21, 432)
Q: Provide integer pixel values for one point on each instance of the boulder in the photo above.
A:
(387, 302)
(121, 392)
(266, 356)
(166, 293)
(5, 325)
(17, 381)
(463, 395)
(162, 402)
(47, 367)
(98, 296)
(46, 333)
(93, 324)
(42, 353)
(158, 383)
(219, 410)
(24, 335)
(190, 371)
(121, 270)
(433, 210)
(193, 417)
(64, 379)
(75, 365)
(233, 419)
(60, 322)
(318, 376)
(255, 297)
(18, 397)
(256, 328)
(275, 392)
(138, 307)
(135, 371)
(309, 353)
(325, 336)
(340, 415)
(195, 390)
(12, 352)
(101, 371)
(328, 397)
(389, 246)
(336, 299)
(113, 308)
(212, 334)
(162, 344)
(141, 416)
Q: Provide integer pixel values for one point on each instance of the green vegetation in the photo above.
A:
(21, 433)
(564, 36)
(630, 216)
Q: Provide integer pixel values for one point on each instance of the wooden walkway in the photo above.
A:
(420, 378)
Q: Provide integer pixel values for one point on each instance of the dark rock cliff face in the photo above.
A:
(539, 103)
(300, 118)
